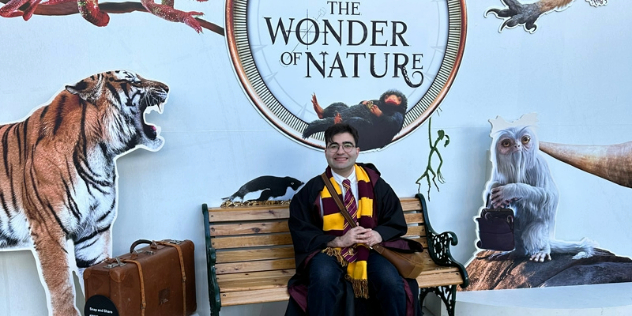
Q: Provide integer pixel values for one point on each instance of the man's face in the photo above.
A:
(342, 153)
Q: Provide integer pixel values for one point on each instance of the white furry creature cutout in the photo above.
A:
(521, 179)
(58, 175)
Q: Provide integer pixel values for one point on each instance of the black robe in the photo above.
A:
(309, 238)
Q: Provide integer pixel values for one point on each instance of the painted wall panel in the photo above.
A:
(573, 72)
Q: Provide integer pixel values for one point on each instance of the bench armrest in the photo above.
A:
(211, 257)
(439, 244)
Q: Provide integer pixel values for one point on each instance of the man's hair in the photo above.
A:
(340, 128)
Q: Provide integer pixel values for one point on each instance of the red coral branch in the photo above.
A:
(68, 8)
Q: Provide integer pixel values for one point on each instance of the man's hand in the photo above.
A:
(357, 235)
(373, 237)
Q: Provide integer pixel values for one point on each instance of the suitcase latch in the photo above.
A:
(118, 263)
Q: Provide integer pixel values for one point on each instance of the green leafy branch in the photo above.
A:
(434, 149)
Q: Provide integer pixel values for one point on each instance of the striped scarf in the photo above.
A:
(335, 224)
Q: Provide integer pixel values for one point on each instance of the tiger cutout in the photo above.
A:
(58, 174)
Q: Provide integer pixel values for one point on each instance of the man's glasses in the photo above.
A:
(346, 146)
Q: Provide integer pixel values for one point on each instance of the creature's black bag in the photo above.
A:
(496, 229)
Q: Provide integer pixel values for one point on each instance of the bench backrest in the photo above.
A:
(257, 239)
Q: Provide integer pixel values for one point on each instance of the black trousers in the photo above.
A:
(330, 294)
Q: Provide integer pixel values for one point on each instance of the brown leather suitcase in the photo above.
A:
(156, 280)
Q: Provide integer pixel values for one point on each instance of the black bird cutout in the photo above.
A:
(270, 187)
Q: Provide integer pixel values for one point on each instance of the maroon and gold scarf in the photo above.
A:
(334, 223)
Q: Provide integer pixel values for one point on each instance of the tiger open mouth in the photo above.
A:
(152, 102)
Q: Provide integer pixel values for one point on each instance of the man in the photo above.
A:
(337, 272)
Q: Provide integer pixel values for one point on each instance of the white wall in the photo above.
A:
(574, 72)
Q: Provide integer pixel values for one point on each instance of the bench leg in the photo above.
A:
(446, 293)
(449, 298)
(423, 292)
(214, 295)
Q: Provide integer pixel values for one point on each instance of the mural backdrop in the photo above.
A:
(247, 79)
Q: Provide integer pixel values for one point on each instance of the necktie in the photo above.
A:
(348, 252)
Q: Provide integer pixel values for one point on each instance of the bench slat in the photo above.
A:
(423, 241)
(253, 297)
(248, 214)
(433, 278)
(275, 289)
(251, 241)
(252, 259)
(255, 254)
(428, 263)
(281, 239)
(276, 227)
(249, 228)
(277, 212)
(415, 231)
(282, 227)
(439, 277)
(410, 204)
(255, 275)
(254, 284)
(414, 218)
(262, 265)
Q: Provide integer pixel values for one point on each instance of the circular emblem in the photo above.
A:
(381, 66)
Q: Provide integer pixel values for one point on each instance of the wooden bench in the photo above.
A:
(250, 256)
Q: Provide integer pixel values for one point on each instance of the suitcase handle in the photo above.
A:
(152, 244)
